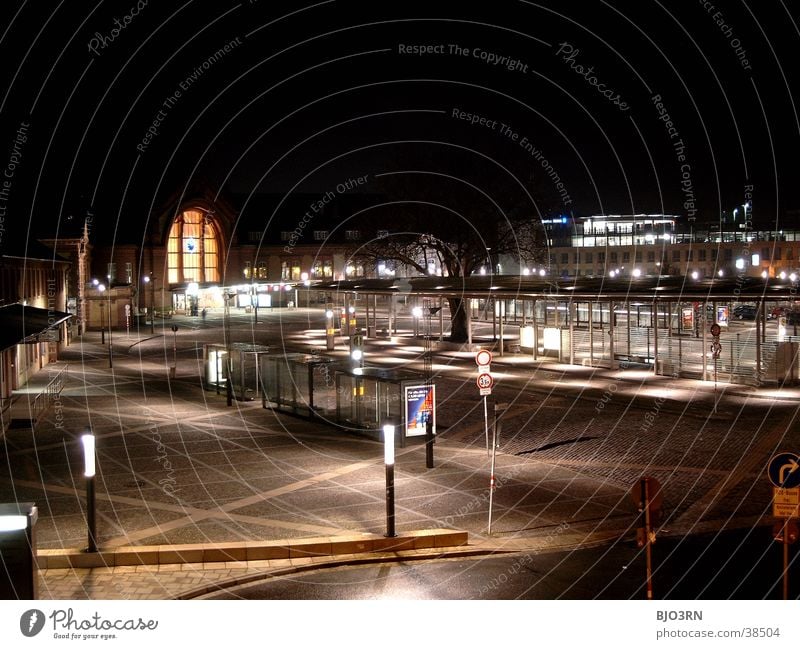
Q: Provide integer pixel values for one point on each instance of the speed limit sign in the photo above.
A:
(485, 383)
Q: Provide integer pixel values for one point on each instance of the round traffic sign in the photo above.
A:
(654, 495)
(715, 329)
(784, 470)
(483, 357)
(485, 381)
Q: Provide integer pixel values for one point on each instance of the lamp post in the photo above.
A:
(110, 345)
(173, 370)
(88, 442)
(417, 313)
(388, 460)
(306, 284)
(102, 307)
(329, 330)
(351, 320)
(149, 279)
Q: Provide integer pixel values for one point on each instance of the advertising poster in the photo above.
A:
(722, 316)
(687, 319)
(420, 407)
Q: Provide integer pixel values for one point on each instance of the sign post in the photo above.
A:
(716, 348)
(483, 360)
(491, 477)
(784, 474)
(646, 493)
(499, 411)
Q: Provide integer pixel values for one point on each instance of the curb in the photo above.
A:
(195, 593)
(153, 555)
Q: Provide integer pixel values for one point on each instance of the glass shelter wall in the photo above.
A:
(302, 384)
(237, 361)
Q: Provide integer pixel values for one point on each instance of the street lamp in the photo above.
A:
(307, 283)
(101, 288)
(351, 319)
(174, 367)
(110, 342)
(329, 330)
(417, 313)
(149, 279)
(357, 349)
(388, 460)
(88, 442)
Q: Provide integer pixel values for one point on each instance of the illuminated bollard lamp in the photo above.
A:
(388, 460)
(89, 472)
(18, 569)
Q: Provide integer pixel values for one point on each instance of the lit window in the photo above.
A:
(193, 249)
(320, 235)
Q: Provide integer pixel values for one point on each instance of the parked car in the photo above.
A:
(745, 312)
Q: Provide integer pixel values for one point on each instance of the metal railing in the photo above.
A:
(51, 391)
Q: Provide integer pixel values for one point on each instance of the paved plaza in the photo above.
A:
(176, 465)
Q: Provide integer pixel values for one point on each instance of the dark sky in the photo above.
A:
(111, 107)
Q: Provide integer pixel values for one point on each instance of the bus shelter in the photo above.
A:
(237, 361)
(300, 384)
(368, 397)
(658, 323)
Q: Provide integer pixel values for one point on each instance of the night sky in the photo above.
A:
(685, 107)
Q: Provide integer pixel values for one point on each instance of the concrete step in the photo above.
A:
(149, 555)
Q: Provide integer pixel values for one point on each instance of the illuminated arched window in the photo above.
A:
(193, 249)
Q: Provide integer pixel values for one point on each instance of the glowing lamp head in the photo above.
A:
(13, 523)
(388, 444)
(329, 314)
(88, 455)
(357, 354)
(417, 311)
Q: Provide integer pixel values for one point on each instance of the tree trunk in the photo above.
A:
(458, 319)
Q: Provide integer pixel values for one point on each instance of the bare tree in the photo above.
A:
(456, 225)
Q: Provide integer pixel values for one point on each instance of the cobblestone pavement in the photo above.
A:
(176, 465)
